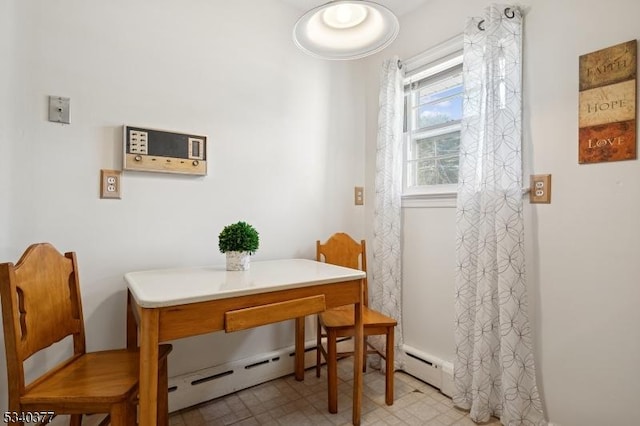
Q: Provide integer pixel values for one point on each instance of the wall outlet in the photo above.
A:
(540, 191)
(110, 183)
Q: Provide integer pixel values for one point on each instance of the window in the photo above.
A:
(433, 114)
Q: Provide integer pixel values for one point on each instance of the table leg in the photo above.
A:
(299, 351)
(357, 360)
(149, 367)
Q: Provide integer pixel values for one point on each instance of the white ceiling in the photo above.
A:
(399, 7)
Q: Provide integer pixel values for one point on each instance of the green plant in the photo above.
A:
(238, 236)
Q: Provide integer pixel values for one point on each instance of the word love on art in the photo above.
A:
(599, 143)
(607, 114)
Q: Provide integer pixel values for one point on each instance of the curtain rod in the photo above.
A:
(507, 12)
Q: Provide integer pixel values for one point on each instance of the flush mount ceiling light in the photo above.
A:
(346, 30)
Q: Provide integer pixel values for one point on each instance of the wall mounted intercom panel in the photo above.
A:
(153, 150)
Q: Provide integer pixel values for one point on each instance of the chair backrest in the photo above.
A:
(41, 305)
(342, 250)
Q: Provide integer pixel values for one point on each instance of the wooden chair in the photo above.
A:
(333, 324)
(41, 305)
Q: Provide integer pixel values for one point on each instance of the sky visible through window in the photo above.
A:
(439, 107)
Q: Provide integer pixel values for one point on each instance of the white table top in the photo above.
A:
(170, 287)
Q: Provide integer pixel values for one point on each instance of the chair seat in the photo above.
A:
(343, 317)
(104, 377)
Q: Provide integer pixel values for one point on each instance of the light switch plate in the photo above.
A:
(540, 191)
(359, 195)
(59, 109)
(110, 183)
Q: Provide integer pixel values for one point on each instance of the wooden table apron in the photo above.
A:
(161, 324)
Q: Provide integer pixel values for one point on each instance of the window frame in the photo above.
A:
(438, 59)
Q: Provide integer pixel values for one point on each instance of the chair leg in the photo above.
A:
(388, 394)
(163, 393)
(105, 421)
(318, 347)
(132, 414)
(332, 371)
(75, 420)
(121, 414)
(364, 354)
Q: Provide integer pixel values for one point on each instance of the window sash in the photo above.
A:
(413, 165)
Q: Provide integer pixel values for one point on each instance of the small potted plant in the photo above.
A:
(238, 241)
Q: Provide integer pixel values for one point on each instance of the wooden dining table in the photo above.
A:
(168, 304)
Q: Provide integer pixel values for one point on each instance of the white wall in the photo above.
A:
(583, 248)
(6, 117)
(6, 75)
(285, 145)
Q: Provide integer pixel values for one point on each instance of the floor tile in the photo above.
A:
(287, 402)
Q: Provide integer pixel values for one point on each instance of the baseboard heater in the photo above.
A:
(430, 369)
(209, 383)
(213, 382)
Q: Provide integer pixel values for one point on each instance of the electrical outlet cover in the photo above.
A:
(540, 190)
(110, 183)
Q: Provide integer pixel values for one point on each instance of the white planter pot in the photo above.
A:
(238, 260)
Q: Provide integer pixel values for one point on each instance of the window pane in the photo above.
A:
(448, 144)
(425, 148)
(426, 173)
(433, 119)
(438, 102)
(448, 170)
(428, 95)
(434, 160)
(443, 111)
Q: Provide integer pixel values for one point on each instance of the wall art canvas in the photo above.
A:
(607, 113)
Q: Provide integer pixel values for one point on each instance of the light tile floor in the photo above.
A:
(287, 402)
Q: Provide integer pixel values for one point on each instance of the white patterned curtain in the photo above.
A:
(386, 278)
(494, 372)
